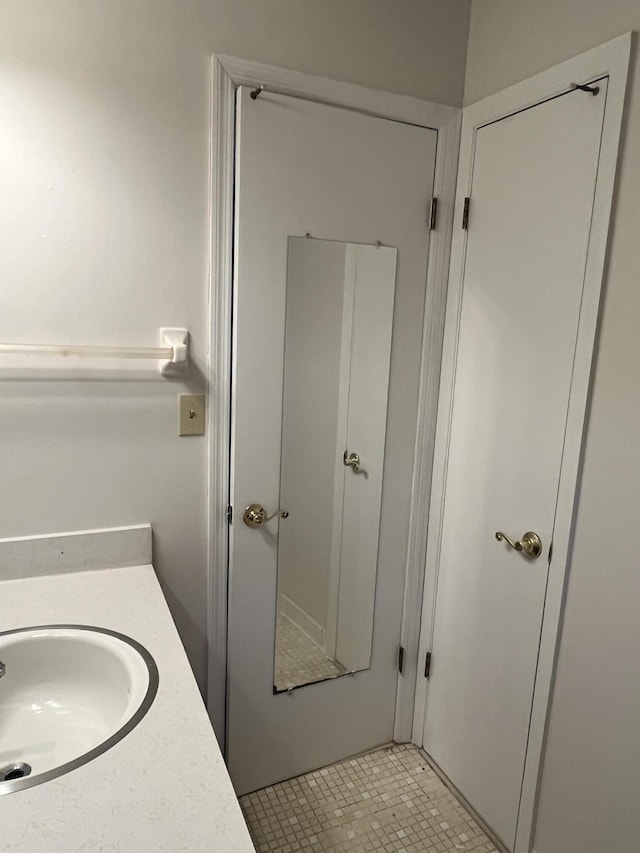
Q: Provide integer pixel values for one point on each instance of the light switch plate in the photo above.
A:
(191, 407)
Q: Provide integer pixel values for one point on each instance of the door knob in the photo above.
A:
(256, 515)
(530, 544)
(351, 461)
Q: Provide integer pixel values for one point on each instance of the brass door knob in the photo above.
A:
(255, 515)
(351, 461)
(530, 544)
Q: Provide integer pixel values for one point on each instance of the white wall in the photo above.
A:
(591, 776)
(104, 126)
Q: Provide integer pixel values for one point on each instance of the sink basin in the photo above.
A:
(70, 692)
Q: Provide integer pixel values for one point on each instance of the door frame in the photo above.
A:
(608, 60)
(227, 74)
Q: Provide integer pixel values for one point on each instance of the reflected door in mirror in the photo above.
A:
(339, 317)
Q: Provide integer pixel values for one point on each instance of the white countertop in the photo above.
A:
(164, 787)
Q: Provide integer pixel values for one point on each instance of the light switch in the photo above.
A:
(191, 414)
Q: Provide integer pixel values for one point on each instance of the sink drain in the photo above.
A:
(14, 771)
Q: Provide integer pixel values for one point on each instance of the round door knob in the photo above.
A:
(531, 544)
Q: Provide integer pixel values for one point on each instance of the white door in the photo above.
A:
(529, 222)
(302, 168)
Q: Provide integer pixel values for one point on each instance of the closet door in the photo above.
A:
(530, 211)
(349, 181)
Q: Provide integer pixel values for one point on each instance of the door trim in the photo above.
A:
(446, 172)
(227, 74)
(608, 60)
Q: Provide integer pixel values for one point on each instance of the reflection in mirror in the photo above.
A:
(339, 316)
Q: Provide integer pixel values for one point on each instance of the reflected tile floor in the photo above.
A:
(298, 659)
(387, 800)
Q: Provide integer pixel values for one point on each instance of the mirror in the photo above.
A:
(339, 317)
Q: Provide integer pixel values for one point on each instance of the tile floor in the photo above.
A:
(298, 659)
(387, 800)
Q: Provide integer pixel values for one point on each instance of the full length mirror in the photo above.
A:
(339, 317)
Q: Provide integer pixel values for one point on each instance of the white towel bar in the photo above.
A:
(90, 351)
(174, 353)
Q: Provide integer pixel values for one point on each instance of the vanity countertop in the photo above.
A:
(164, 787)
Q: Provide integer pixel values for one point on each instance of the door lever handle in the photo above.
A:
(351, 461)
(255, 515)
(530, 544)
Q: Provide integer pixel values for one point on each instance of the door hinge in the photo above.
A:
(400, 659)
(465, 214)
(433, 214)
(229, 514)
(427, 665)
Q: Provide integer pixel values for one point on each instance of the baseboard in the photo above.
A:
(313, 630)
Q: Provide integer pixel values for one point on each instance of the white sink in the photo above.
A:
(69, 693)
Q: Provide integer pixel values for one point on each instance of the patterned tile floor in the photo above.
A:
(298, 660)
(387, 800)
